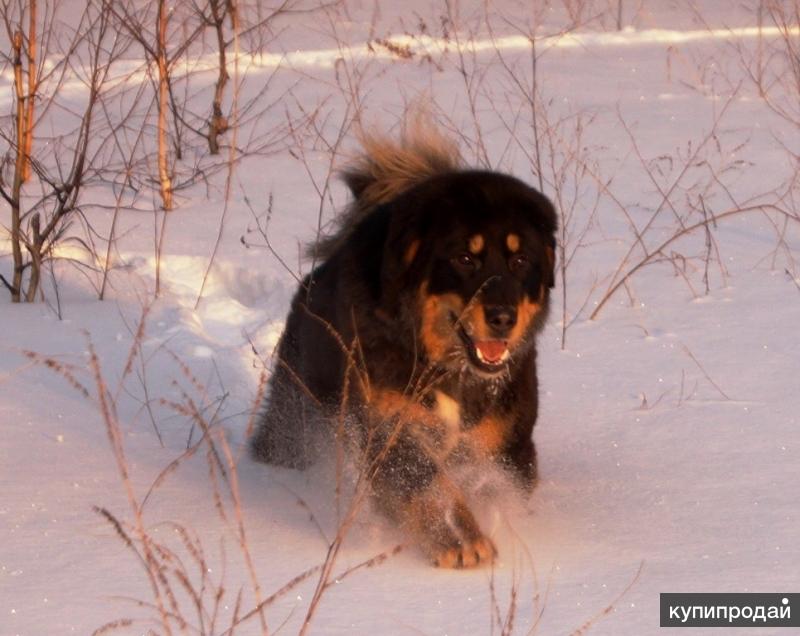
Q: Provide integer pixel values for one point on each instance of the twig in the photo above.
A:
(610, 607)
(703, 371)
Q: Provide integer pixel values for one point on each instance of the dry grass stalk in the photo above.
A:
(583, 629)
(108, 413)
(243, 545)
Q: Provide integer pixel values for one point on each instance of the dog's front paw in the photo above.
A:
(439, 521)
(467, 554)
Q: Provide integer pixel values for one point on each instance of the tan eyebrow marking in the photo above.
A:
(411, 252)
(476, 244)
(512, 242)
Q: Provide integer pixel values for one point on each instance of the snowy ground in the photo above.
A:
(669, 430)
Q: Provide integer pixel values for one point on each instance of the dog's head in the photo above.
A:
(472, 255)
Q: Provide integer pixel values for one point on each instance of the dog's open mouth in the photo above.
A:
(490, 356)
(492, 352)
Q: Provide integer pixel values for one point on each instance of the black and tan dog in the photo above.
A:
(417, 330)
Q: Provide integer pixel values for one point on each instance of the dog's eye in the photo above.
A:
(465, 262)
(518, 262)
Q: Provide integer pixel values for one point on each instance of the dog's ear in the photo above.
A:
(357, 181)
(545, 221)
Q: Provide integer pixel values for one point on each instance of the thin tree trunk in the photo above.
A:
(16, 235)
(218, 123)
(26, 168)
(36, 259)
(163, 96)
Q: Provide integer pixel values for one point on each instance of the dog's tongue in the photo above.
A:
(491, 350)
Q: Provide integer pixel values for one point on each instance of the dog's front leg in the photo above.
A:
(413, 489)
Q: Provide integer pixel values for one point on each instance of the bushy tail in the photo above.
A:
(388, 167)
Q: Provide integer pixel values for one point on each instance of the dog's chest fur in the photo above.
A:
(473, 422)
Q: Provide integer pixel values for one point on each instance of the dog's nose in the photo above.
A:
(501, 318)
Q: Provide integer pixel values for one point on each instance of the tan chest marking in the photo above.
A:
(489, 436)
(449, 412)
(388, 404)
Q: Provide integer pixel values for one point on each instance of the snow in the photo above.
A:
(668, 434)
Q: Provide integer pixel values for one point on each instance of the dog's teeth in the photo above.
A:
(480, 355)
(505, 356)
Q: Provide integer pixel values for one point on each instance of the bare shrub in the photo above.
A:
(40, 221)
